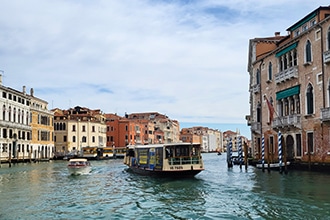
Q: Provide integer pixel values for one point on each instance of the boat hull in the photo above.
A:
(272, 165)
(79, 166)
(162, 173)
(79, 170)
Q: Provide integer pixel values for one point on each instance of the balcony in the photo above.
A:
(325, 114)
(326, 56)
(255, 88)
(256, 127)
(287, 121)
(287, 74)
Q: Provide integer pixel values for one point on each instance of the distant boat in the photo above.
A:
(166, 160)
(79, 166)
(272, 165)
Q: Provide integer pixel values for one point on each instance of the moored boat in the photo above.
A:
(272, 165)
(167, 160)
(79, 166)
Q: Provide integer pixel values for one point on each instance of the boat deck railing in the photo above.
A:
(184, 160)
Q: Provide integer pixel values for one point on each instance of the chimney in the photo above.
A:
(31, 92)
(0, 79)
(277, 34)
(24, 90)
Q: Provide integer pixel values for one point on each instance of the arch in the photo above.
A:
(310, 99)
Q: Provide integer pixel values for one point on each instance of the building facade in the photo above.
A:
(77, 128)
(15, 134)
(42, 141)
(290, 91)
(210, 139)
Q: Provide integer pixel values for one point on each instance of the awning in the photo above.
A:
(288, 92)
(302, 22)
(287, 49)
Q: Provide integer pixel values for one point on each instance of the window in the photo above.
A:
(298, 141)
(271, 144)
(287, 60)
(64, 138)
(258, 112)
(258, 77)
(73, 127)
(93, 139)
(73, 139)
(310, 99)
(93, 128)
(310, 142)
(318, 35)
(319, 78)
(329, 93)
(270, 71)
(312, 23)
(308, 52)
(305, 27)
(9, 113)
(4, 112)
(83, 128)
(328, 39)
(84, 139)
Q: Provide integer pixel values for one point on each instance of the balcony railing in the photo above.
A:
(325, 114)
(256, 88)
(288, 120)
(326, 56)
(256, 127)
(287, 74)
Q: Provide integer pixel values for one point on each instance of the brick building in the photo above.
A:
(290, 91)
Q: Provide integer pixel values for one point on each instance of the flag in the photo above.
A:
(270, 109)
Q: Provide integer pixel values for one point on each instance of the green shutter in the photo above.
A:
(288, 92)
(287, 49)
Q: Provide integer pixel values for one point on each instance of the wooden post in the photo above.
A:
(246, 155)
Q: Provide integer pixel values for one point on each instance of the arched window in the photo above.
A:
(73, 139)
(310, 99)
(258, 77)
(270, 71)
(308, 52)
(259, 112)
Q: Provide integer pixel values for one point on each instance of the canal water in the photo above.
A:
(46, 191)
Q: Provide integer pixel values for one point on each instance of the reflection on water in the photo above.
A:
(47, 191)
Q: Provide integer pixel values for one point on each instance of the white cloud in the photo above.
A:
(186, 59)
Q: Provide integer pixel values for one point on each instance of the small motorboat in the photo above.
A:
(79, 166)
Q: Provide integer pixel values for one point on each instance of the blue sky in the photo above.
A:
(186, 59)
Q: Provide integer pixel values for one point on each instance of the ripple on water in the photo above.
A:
(46, 191)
